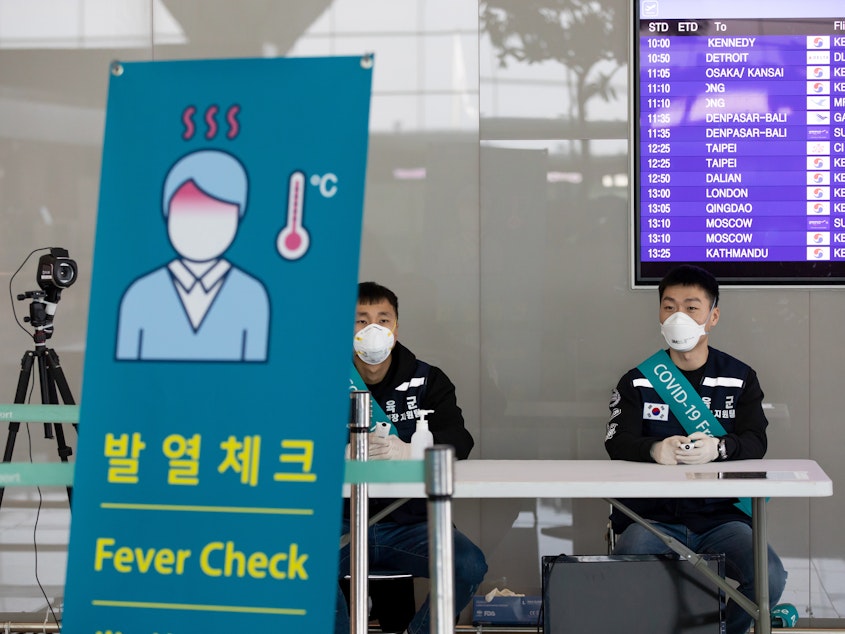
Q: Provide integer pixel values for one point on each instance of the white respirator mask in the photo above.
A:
(373, 344)
(682, 332)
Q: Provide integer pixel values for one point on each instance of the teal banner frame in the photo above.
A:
(207, 492)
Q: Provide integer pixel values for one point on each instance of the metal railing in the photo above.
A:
(439, 488)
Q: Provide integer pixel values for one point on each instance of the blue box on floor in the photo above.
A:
(506, 610)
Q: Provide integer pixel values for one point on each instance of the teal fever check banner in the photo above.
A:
(207, 488)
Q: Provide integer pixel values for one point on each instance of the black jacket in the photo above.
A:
(399, 396)
(732, 392)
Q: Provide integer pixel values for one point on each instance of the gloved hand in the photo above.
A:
(706, 449)
(390, 448)
(666, 450)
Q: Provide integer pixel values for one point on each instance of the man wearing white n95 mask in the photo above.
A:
(646, 427)
(401, 385)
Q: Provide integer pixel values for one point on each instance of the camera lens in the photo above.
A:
(64, 274)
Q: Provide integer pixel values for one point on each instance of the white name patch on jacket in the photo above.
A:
(656, 411)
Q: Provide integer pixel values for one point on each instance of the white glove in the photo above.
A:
(706, 449)
(666, 450)
(390, 448)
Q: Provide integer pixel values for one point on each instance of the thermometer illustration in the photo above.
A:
(293, 240)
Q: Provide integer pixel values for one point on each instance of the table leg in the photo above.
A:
(700, 563)
(761, 565)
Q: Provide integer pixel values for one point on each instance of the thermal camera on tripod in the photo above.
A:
(56, 271)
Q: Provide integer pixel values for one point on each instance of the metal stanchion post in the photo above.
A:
(439, 487)
(761, 566)
(359, 427)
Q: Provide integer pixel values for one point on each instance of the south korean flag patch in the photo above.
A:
(655, 411)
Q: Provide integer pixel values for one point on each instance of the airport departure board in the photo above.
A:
(738, 129)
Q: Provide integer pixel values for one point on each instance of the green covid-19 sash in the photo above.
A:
(686, 404)
(356, 383)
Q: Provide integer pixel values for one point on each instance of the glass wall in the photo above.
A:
(497, 209)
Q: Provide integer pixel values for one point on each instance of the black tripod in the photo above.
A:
(51, 378)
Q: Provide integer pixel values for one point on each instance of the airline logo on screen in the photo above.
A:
(818, 103)
(818, 117)
(650, 9)
(818, 114)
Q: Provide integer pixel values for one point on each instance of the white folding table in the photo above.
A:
(611, 479)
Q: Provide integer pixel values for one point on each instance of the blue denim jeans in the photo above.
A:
(404, 547)
(734, 539)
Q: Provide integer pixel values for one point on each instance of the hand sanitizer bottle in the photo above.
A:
(422, 437)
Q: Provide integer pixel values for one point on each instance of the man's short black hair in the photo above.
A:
(372, 293)
(691, 275)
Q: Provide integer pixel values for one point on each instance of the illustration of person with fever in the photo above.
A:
(199, 306)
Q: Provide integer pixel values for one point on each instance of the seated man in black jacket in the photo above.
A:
(401, 385)
(646, 428)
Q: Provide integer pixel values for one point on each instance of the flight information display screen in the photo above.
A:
(738, 135)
